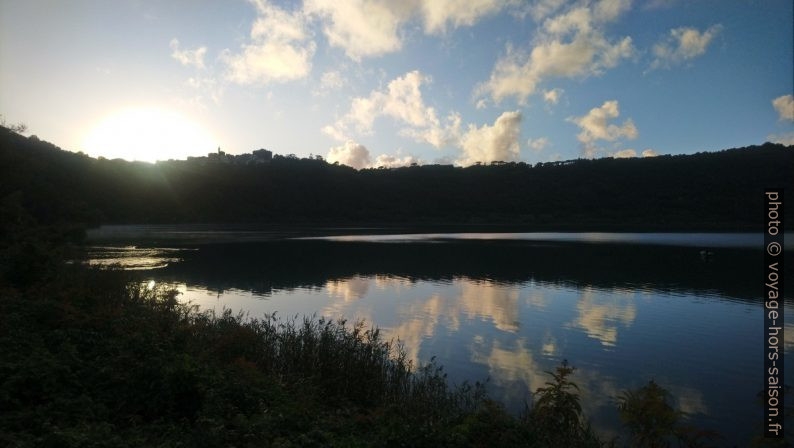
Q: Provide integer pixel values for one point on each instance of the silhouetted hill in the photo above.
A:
(704, 191)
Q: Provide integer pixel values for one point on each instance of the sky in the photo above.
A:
(384, 83)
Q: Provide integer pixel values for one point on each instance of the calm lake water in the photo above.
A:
(682, 309)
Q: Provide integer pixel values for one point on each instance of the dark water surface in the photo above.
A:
(682, 309)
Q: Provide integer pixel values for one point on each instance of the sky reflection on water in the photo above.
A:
(513, 334)
(510, 311)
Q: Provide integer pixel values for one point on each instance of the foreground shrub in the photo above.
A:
(92, 358)
(652, 422)
(557, 413)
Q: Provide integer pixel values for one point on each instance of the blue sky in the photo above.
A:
(382, 83)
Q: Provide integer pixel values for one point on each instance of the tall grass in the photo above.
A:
(94, 358)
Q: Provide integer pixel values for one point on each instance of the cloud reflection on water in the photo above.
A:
(513, 333)
(601, 314)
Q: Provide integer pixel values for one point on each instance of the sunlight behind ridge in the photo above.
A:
(148, 134)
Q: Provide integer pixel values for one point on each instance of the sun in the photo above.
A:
(148, 134)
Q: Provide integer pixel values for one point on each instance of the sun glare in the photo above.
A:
(148, 134)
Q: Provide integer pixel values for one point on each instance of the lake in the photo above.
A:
(682, 309)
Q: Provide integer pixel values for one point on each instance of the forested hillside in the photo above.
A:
(703, 191)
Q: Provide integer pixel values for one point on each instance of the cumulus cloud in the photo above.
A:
(401, 100)
(280, 48)
(437, 15)
(571, 44)
(330, 80)
(436, 134)
(629, 153)
(608, 10)
(784, 105)
(334, 132)
(358, 156)
(538, 144)
(786, 138)
(351, 154)
(498, 142)
(404, 102)
(649, 153)
(193, 58)
(369, 28)
(206, 88)
(540, 9)
(682, 45)
(362, 28)
(389, 161)
(552, 96)
(595, 126)
(624, 154)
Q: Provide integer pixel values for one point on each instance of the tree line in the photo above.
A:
(703, 191)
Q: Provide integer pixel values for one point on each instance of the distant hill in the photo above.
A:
(704, 191)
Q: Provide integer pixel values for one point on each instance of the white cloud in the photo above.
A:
(436, 134)
(571, 44)
(608, 10)
(552, 96)
(498, 142)
(438, 14)
(401, 100)
(625, 154)
(370, 28)
(358, 156)
(786, 138)
(577, 19)
(362, 28)
(538, 144)
(206, 88)
(784, 105)
(334, 132)
(280, 48)
(194, 58)
(541, 9)
(330, 80)
(350, 154)
(683, 44)
(649, 153)
(389, 161)
(595, 125)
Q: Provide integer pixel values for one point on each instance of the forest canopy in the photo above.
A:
(703, 191)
